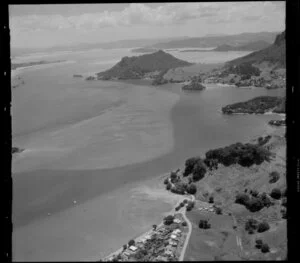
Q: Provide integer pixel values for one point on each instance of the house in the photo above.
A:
(133, 248)
(173, 236)
(177, 221)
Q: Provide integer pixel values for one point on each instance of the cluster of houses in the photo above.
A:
(161, 244)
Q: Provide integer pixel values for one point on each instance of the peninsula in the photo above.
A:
(258, 105)
(144, 66)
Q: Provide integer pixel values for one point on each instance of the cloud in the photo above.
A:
(143, 14)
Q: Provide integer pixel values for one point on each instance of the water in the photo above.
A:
(89, 181)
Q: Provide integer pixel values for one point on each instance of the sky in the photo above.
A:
(38, 26)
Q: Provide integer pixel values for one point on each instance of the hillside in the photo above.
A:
(251, 46)
(258, 105)
(274, 54)
(136, 67)
(230, 235)
(214, 41)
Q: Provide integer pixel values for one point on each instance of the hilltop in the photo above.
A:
(274, 54)
(137, 67)
(251, 46)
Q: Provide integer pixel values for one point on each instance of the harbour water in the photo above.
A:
(90, 176)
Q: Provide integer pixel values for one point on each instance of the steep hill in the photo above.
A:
(251, 46)
(275, 54)
(136, 67)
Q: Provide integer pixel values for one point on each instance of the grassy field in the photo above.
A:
(220, 241)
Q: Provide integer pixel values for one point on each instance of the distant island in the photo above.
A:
(251, 46)
(144, 50)
(35, 63)
(258, 105)
(194, 85)
(77, 76)
(146, 66)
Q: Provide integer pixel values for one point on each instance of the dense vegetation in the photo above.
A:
(196, 167)
(204, 224)
(168, 220)
(253, 202)
(238, 153)
(245, 70)
(258, 105)
(135, 67)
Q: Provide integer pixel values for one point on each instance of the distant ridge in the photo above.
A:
(214, 41)
(251, 46)
(136, 67)
(275, 54)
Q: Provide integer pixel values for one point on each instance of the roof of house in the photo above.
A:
(133, 248)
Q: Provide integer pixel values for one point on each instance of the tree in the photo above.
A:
(262, 227)
(254, 204)
(124, 247)
(254, 193)
(184, 223)
(154, 227)
(274, 177)
(265, 248)
(204, 224)
(168, 220)
(242, 199)
(251, 224)
(218, 211)
(166, 181)
(131, 243)
(168, 187)
(189, 165)
(211, 199)
(259, 243)
(276, 193)
(199, 170)
(190, 206)
(191, 189)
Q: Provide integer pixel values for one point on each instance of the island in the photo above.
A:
(258, 105)
(77, 76)
(148, 66)
(194, 85)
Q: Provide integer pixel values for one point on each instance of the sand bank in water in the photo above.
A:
(137, 130)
